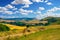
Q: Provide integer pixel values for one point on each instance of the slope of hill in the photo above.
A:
(52, 20)
(50, 34)
(15, 27)
(18, 18)
(47, 18)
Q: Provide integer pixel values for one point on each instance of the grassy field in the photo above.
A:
(51, 32)
(15, 27)
(13, 30)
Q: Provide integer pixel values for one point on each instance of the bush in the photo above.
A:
(4, 28)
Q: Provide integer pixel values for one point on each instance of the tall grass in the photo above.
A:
(50, 34)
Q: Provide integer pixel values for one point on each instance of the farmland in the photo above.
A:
(47, 29)
(15, 27)
(51, 32)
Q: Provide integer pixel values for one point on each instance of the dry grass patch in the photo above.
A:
(15, 27)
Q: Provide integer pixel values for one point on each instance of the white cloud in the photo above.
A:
(38, 0)
(25, 6)
(3, 9)
(8, 12)
(49, 12)
(14, 9)
(39, 16)
(38, 12)
(46, 0)
(21, 2)
(16, 12)
(25, 12)
(49, 3)
(53, 10)
(9, 6)
(6, 9)
(41, 8)
(52, 15)
(25, 2)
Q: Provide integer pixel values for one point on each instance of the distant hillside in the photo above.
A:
(15, 19)
(19, 18)
(47, 18)
(52, 20)
(0, 18)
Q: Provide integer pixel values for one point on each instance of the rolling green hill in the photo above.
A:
(52, 20)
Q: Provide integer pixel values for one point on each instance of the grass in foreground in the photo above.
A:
(50, 34)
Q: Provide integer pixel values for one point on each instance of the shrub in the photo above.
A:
(4, 28)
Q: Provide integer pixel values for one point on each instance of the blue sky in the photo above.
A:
(29, 8)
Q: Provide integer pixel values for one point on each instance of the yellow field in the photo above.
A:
(15, 27)
(34, 29)
(52, 26)
(52, 32)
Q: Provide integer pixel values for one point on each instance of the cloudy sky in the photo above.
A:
(29, 8)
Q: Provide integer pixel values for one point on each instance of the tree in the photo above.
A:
(4, 28)
(28, 26)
